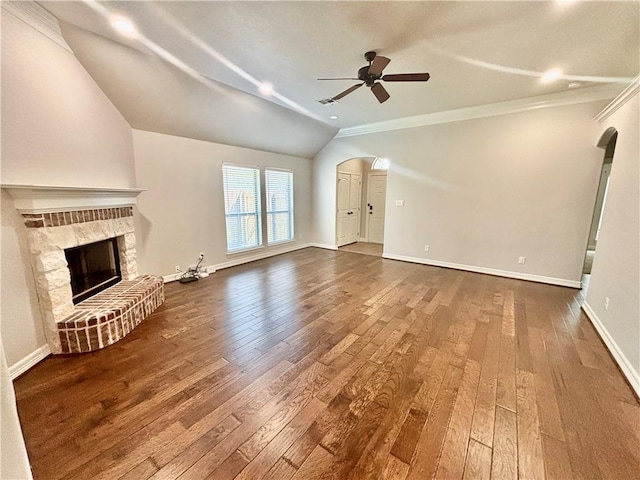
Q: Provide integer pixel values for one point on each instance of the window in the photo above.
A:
(279, 200)
(242, 207)
(380, 164)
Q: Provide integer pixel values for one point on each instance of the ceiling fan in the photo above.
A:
(369, 74)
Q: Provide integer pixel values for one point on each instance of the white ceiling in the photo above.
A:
(476, 52)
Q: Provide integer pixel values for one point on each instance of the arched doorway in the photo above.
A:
(360, 205)
(608, 143)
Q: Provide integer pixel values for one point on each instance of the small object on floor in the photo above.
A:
(188, 279)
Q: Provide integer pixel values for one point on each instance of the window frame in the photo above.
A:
(258, 214)
(380, 164)
(290, 211)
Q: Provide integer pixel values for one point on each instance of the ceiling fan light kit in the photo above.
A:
(370, 74)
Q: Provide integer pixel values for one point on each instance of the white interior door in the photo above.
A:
(342, 219)
(355, 200)
(376, 198)
(349, 192)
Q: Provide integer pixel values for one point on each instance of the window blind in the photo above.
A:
(242, 207)
(279, 200)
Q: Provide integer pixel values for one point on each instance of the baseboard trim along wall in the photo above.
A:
(243, 259)
(489, 271)
(29, 361)
(259, 256)
(633, 376)
(176, 276)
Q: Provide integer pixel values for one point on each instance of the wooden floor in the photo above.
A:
(363, 248)
(322, 364)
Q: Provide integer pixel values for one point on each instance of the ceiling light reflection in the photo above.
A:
(155, 48)
(206, 48)
(124, 26)
(266, 89)
(520, 71)
(551, 75)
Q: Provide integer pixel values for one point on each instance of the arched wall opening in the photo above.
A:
(360, 204)
(608, 143)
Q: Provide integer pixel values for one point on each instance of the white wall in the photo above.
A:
(182, 212)
(616, 266)
(482, 192)
(22, 330)
(14, 462)
(58, 128)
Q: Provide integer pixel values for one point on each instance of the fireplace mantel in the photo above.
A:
(45, 199)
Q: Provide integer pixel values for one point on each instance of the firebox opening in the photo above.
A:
(94, 267)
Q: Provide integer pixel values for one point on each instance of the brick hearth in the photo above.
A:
(107, 317)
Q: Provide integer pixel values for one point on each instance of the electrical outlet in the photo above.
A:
(178, 269)
(606, 303)
(522, 260)
(426, 248)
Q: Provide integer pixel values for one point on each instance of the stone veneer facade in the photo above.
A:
(49, 234)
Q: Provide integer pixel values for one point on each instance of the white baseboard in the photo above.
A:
(326, 246)
(29, 361)
(176, 276)
(489, 271)
(363, 239)
(632, 375)
(266, 253)
(171, 278)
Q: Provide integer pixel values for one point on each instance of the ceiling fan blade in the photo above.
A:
(347, 91)
(340, 78)
(381, 94)
(378, 65)
(406, 77)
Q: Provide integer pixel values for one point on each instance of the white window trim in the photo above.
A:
(261, 216)
(292, 208)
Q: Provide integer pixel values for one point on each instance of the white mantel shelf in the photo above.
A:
(43, 198)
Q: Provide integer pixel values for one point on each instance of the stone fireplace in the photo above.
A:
(61, 219)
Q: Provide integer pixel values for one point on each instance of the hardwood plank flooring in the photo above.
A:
(363, 248)
(331, 365)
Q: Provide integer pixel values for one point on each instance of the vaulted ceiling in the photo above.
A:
(215, 53)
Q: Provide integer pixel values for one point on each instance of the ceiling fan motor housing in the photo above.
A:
(369, 56)
(368, 79)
